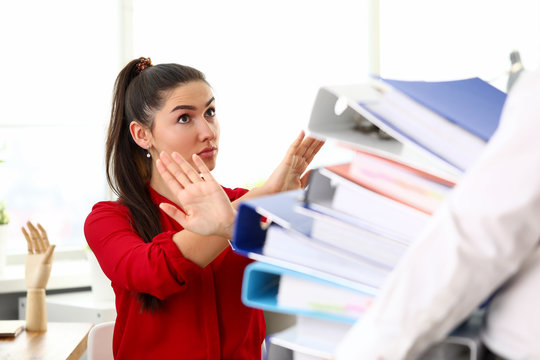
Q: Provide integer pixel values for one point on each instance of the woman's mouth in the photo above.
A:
(208, 152)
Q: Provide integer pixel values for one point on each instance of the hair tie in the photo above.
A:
(143, 64)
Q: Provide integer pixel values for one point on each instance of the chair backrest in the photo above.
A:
(100, 342)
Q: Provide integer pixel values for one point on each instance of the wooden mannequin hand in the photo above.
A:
(289, 175)
(40, 256)
(207, 209)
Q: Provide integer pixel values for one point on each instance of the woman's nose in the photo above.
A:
(207, 130)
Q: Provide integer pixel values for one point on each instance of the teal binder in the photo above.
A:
(260, 290)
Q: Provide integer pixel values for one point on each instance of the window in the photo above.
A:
(52, 175)
(265, 61)
(59, 65)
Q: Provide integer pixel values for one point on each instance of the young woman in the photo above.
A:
(177, 291)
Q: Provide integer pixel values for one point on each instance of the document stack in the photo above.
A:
(323, 253)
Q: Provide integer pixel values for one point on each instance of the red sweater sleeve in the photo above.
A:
(157, 268)
(235, 193)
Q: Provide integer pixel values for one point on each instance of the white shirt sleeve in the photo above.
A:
(476, 241)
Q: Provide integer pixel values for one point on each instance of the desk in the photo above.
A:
(77, 306)
(60, 341)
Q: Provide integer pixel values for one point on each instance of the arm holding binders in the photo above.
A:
(486, 235)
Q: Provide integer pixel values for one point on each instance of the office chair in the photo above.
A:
(100, 342)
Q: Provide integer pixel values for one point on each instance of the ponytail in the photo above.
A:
(138, 94)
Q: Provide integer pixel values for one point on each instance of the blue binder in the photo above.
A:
(250, 233)
(452, 120)
(472, 103)
(254, 216)
(260, 289)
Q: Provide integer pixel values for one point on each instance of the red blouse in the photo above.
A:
(201, 315)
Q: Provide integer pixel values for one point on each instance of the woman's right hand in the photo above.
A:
(206, 208)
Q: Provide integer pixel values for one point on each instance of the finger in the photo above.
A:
(28, 241)
(174, 213)
(44, 237)
(174, 169)
(42, 242)
(203, 169)
(305, 146)
(305, 179)
(47, 259)
(169, 179)
(313, 150)
(186, 167)
(34, 235)
(320, 144)
(295, 145)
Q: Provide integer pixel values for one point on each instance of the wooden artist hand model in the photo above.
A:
(37, 271)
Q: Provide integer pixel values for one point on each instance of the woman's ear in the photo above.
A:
(140, 134)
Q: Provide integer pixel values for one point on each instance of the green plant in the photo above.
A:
(4, 217)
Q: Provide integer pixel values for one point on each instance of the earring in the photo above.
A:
(148, 153)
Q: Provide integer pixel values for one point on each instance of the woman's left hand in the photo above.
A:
(289, 175)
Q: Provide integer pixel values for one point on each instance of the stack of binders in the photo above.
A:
(323, 253)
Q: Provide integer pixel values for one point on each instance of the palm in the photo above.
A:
(202, 201)
(289, 173)
(206, 208)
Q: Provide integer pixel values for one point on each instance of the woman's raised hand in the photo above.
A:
(290, 173)
(206, 208)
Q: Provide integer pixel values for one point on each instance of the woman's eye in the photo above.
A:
(211, 112)
(184, 119)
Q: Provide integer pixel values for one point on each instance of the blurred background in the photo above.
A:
(265, 60)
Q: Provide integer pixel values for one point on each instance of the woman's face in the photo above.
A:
(187, 124)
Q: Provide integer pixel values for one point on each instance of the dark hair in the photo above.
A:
(139, 92)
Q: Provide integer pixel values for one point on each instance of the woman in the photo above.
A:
(177, 292)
